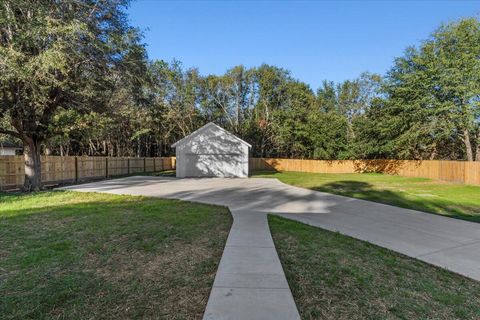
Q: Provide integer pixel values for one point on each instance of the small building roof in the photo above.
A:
(6, 144)
(205, 127)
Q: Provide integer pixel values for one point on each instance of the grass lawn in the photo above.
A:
(455, 200)
(337, 277)
(67, 255)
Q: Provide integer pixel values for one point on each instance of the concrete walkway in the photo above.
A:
(250, 283)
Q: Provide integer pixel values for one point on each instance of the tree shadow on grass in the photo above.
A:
(366, 191)
(262, 173)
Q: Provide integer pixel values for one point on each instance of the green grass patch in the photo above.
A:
(68, 255)
(333, 276)
(450, 199)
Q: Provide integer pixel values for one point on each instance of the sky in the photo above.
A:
(314, 40)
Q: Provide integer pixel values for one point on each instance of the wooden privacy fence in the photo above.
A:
(72, 169)
(454, 171)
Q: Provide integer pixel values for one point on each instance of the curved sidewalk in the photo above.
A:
(250, 282)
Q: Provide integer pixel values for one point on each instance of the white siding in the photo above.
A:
(7, 151)
(212, 152)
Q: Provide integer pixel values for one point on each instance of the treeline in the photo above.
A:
(425, 107)
(75, 79)
(278, 115)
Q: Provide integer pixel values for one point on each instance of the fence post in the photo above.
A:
(128, 165)
(76, 169)
(106, 167)
(154, 165)
(144, 165)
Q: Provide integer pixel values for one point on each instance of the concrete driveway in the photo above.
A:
(250, 283)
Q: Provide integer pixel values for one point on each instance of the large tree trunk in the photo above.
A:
(33, 167)
(468, 145)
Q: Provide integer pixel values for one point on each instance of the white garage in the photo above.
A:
(212, 151)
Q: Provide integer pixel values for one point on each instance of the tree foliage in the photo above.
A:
(58, 56)
(432, 104)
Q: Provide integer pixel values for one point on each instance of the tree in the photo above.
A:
(271, 85)
(227, 99)
(176, 95)
(58, 55)
(291, 121)
(434, 93)
(327, 97)
(454, 53)
(328, 136)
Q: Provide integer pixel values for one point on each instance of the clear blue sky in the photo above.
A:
(314, 40)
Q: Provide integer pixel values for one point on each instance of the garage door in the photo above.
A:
(215, 165)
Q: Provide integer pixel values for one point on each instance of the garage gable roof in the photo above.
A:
(205, 127)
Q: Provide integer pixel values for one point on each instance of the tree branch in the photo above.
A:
(11, 133)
